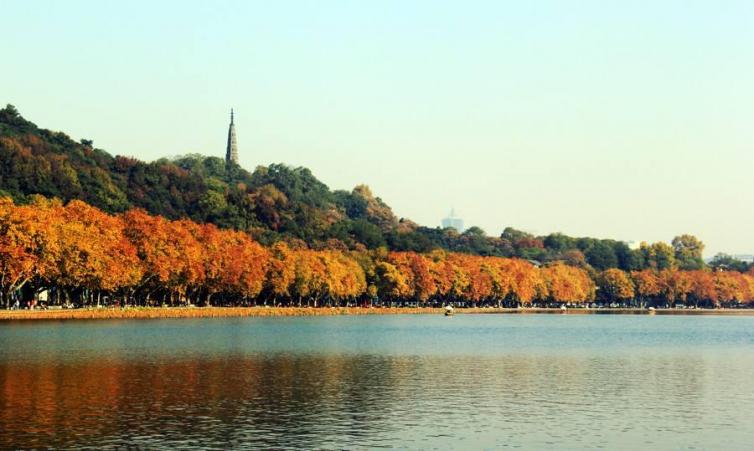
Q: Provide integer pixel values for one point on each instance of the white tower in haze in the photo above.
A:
(453, 221)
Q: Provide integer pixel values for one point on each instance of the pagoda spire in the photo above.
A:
(231, 152)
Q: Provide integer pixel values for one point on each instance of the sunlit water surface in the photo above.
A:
(470, 381)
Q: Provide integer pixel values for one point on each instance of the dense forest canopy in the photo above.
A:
(284, 203)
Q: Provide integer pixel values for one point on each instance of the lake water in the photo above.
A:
(417, 382)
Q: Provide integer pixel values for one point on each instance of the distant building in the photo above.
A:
(231, 151)
(453, 221)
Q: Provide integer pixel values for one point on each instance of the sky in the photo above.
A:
(612, 119)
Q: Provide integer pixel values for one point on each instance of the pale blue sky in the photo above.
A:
(627, 120)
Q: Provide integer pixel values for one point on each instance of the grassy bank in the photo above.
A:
(217, 312)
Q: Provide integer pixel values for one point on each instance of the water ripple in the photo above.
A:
(408, 383)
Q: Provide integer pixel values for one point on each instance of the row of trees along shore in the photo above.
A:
(80, 255)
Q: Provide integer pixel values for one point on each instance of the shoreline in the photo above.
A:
(240, 312)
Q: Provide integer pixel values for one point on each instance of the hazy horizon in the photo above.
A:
(600, 119)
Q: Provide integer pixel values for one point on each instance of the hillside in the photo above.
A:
(272, 202)
(277, 202)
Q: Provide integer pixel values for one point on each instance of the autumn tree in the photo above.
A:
(247, 267)
(392, 284)
(19, 247)
(281, 272)
(703, 288)
(568, 284)
(647, 285)
(615, 285)
(675, 286)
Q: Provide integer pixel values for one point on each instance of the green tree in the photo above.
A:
(727, 262)
(688, 252)
(559, 242)
(601, 256)
(658, 255)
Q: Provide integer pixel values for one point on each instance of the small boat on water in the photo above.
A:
(448, 310)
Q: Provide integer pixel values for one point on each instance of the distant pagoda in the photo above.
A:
(231, 152)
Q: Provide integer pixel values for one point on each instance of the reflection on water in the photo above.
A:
(672, 392)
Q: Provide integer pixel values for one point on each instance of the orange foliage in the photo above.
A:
(81, 254)
(675, 286)
(615, 284)
(568, 284)
(646, 282)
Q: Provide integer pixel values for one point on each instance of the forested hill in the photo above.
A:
(272, 202)
(277, 202)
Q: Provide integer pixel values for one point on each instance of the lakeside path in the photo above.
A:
(218, 312)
